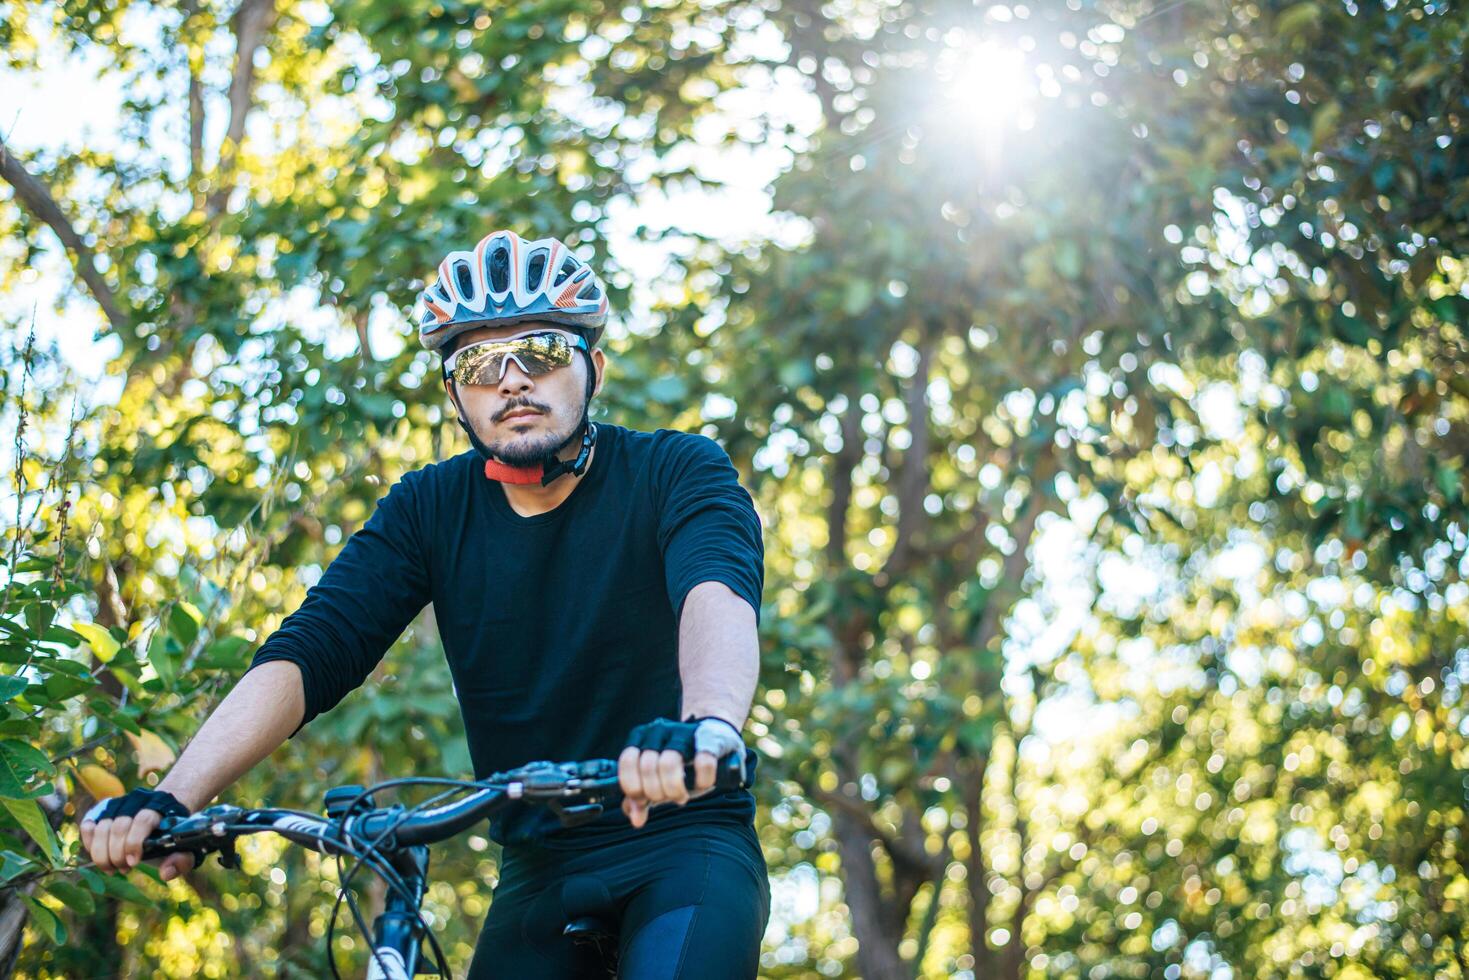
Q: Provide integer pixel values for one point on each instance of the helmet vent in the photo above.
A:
(500, 270)
(589, 291)
(464, 278)
(536, 270)
(568, 266)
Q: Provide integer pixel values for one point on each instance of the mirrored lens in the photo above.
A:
(484, 363)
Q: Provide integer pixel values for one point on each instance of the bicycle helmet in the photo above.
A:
(506, 280)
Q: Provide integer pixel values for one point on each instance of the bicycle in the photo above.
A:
(393, 842)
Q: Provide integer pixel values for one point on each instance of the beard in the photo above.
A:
(528, 450)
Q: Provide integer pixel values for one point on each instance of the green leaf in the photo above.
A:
(128, 677)
(19, 763)
(1298, 18)
(163, 654)
(1450, 309)
(28, 814)
(46, 921)
(978, 735)
(225, 652)
(13, 865)
(183, 623)
(38, 616)
(1447, 478)
(74, 897)
(59, 687)
(67, 666)
(116, 885)
(118, 716)
(12, 685)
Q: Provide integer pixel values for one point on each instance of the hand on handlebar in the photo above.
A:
(115, 843)
(651, 769)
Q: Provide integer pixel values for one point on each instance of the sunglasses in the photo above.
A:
(536, 354)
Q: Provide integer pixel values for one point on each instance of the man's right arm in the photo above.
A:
(262, 711)
(364, 600)
(257, 717)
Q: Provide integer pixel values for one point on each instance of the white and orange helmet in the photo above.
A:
(506, 279)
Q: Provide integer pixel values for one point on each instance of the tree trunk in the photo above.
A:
(13, 916)
(877, 952)
(970, 774)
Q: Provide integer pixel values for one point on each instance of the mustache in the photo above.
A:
(519, 404)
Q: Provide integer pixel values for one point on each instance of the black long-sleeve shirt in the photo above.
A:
(561, 630)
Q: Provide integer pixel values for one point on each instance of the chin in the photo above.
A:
(527, 448)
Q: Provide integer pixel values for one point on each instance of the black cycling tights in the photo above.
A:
(685, 902)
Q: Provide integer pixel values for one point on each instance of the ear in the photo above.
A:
(452, 392)
(599, 362)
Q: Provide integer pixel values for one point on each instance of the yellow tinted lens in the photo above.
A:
(484, 363)
(481, 364)
(542, 352)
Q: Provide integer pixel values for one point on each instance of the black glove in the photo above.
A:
(134, 801)
(713, 735)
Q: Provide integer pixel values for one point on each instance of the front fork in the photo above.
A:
(396, 935)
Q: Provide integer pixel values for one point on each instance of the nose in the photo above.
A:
(513, 378)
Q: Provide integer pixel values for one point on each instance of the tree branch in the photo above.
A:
(364, 342)
(1013, 568)
(841, 483)
(196, 96)
(251, 21)
(906, 852)
(913, 478)
(37, 199)
(805, 35)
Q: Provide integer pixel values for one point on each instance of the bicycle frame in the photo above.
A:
(396, 945)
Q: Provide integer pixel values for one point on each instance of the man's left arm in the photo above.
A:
(709, 535)
(718, 657)
(719, 663)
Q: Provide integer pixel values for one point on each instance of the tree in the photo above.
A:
(247, 276)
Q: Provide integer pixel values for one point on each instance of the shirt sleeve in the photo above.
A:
(361, 605)
(708, 530)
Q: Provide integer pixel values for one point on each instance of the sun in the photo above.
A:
(988, 85)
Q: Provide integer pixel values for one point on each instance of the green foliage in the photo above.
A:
(1211, 304)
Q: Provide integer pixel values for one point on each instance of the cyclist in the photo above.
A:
(596, 589)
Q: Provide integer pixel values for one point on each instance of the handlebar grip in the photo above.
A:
(153, 850)
(729, 774)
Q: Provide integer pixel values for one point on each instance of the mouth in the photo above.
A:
(523, 413)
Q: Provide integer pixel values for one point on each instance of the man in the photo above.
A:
(596, 589)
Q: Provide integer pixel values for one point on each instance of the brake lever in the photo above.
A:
(575, 815)
(202, 834)
(594, 785)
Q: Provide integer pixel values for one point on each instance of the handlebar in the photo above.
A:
(576, 792)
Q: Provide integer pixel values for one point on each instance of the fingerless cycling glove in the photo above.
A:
(134, 801)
